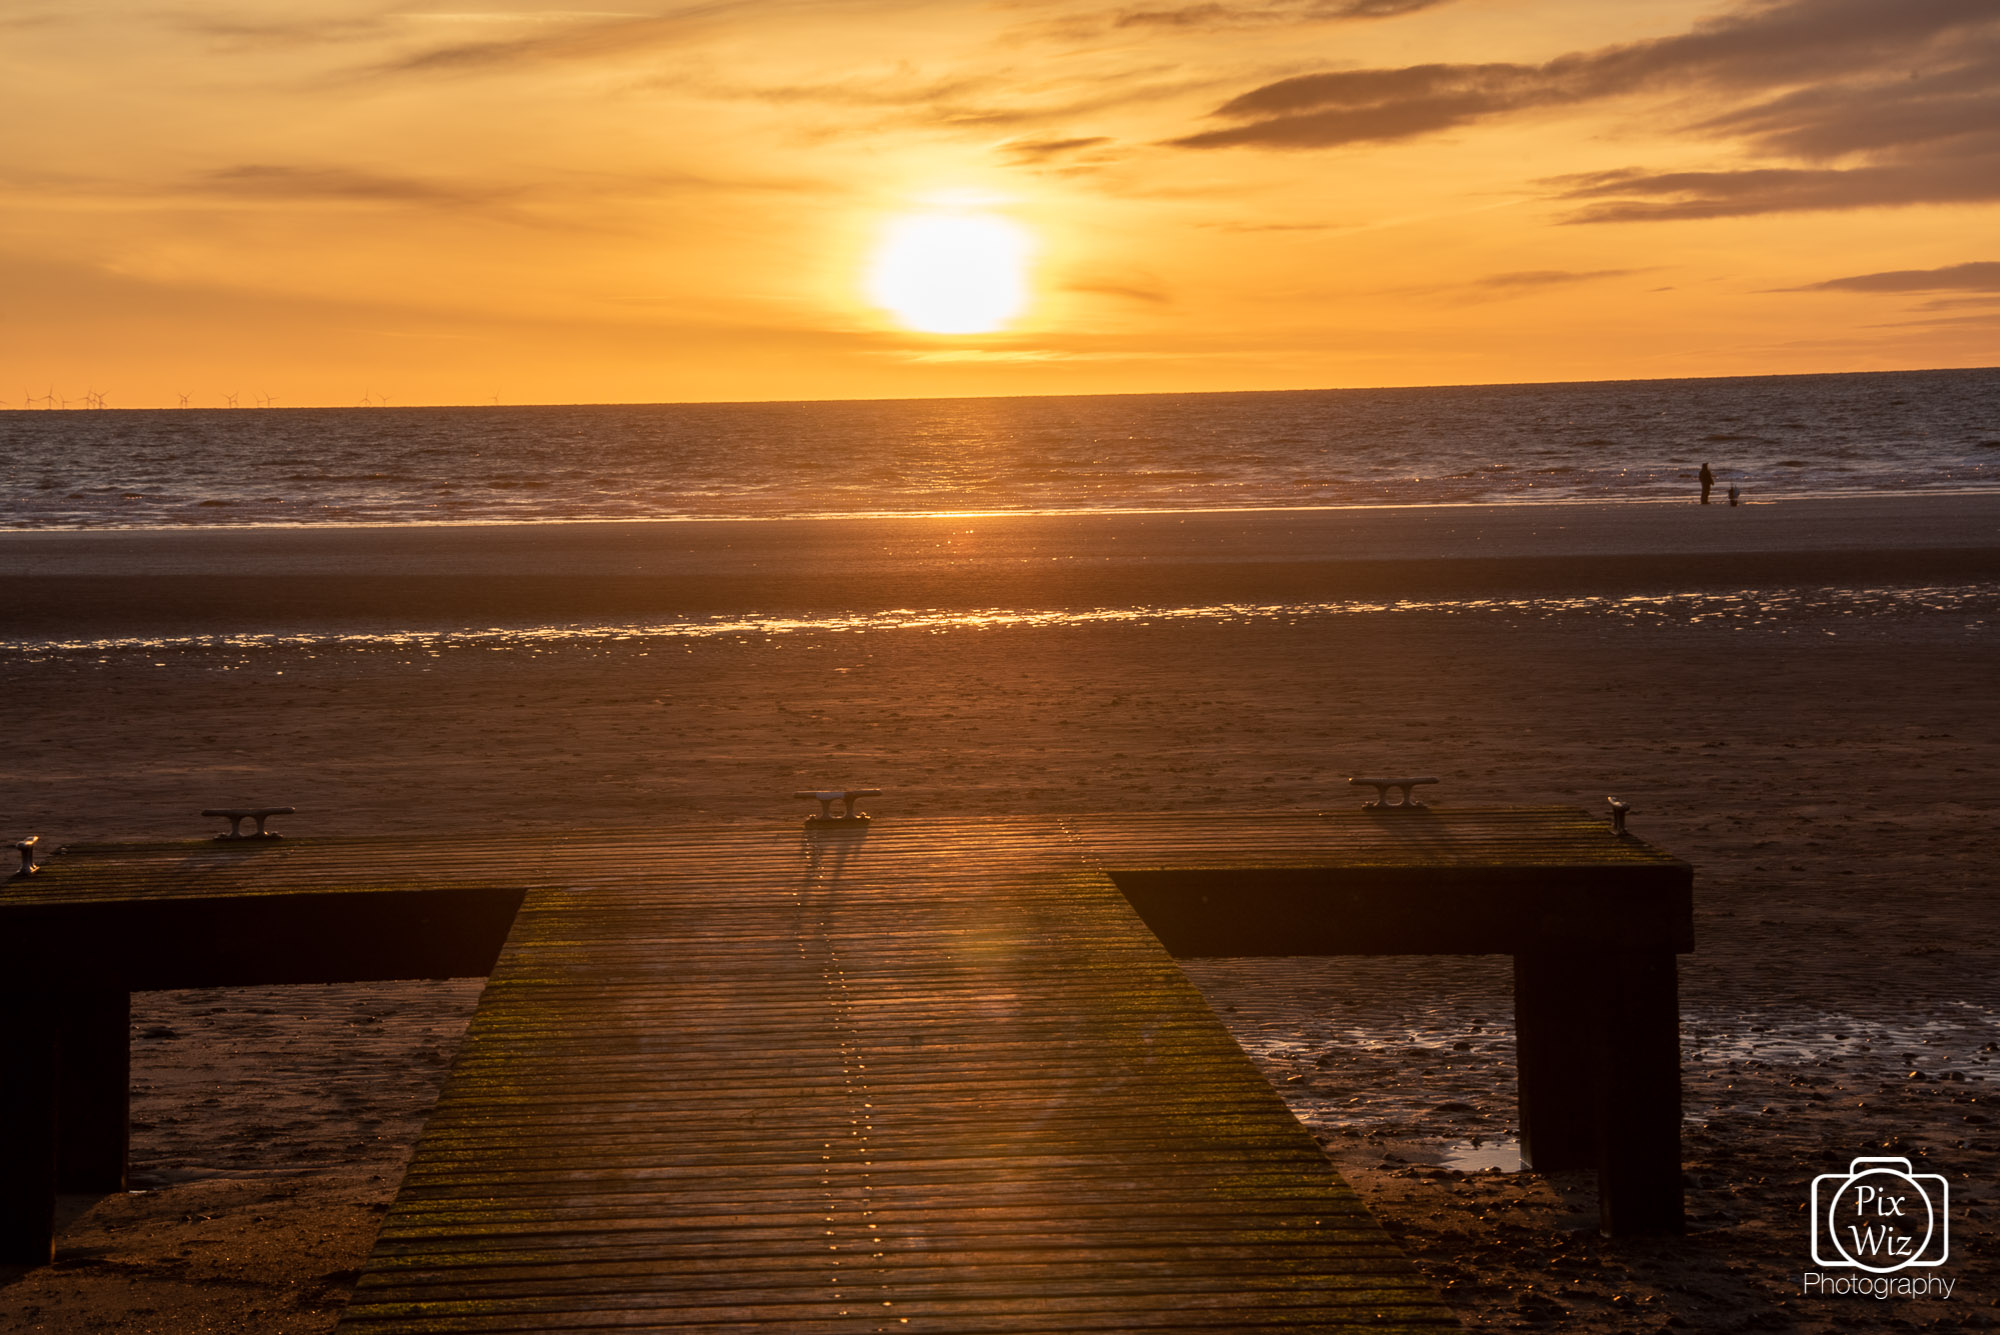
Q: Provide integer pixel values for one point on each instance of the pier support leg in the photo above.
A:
(1556, 1001)
(93, 1090)
(1598, 1038)
(27, 1128)
(1639, 1096)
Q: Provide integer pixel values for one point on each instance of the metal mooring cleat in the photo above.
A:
(1382, 787)
(237, 815)
(1619, 811)
(826, 798)
(26, 848)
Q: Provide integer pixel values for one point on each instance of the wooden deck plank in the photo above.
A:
(951, 1061)
(928, 1077)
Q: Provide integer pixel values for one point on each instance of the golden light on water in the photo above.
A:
(951, 272)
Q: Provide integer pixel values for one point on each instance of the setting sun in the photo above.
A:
(800, 584)
(951, 273)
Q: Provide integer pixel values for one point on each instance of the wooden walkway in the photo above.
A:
(927, 1076)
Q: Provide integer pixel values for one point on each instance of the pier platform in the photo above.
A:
(911, 1076)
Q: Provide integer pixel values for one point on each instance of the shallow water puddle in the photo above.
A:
(1473, 1156)
(1947, 1037)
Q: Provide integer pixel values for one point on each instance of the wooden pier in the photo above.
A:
(914, 1076)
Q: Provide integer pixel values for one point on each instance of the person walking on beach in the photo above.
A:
(1707, 483)
(1733, 494)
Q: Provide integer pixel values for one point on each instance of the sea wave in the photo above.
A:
(1771, 437)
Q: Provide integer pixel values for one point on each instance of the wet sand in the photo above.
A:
(67, 584)
(1801, 710)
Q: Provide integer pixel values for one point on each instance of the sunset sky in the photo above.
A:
(322, 200)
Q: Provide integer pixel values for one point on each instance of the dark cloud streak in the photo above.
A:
(1523, 279)
(1220, 15)
(325, 184)
(996, 99)
(286, 31)
(1023, 152)
(1371, 90)
(541, 205)
(1149, 294)
(1887, 103)
(1975, 276)
(586, 38)
(1638, 196)
(1380, 123)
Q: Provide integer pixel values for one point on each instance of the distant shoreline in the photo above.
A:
(189, 581)
(1763, 497)
(1896, 520)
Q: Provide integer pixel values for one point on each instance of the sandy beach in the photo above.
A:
(1794, 697)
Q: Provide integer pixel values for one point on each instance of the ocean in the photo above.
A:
(1773, 436)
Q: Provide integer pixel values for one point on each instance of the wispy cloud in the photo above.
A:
(29, 22)
(1366, 106)
(555, 37)
(1024, 151)
(594, 202)
(1077, 155)
(1989, 320)
(1166, 18)
(989, 97)
(893, 88)
(1975, 276)
(1145, 292)
(1642, 196)
(1884, 104)
(1221, 15)
(1235, 226)
(1528, 279)
(1982, 301)
(1513, 284)
(284, 29)
(269, 181)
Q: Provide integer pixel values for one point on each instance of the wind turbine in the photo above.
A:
(184, 400)
(230, 399)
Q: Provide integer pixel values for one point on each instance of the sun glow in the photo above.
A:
(951, 272)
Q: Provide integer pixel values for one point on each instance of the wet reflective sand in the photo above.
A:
(1823, 752)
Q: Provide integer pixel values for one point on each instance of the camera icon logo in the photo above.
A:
(1880, 1217)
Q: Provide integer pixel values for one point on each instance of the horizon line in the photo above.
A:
(960, 398)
